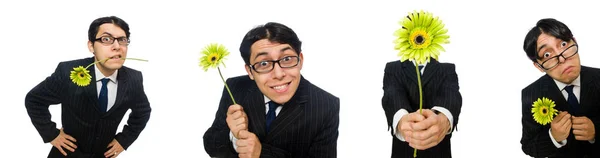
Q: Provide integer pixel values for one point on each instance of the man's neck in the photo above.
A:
(104, 71)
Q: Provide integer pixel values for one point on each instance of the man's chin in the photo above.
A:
(113, 67)
(280, 99)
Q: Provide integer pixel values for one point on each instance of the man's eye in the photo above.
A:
(563, 43)
(106, 39)
(547, 54)
(264, 63)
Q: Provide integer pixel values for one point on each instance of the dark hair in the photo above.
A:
(274, 32)
(548, 26)
(103, 20)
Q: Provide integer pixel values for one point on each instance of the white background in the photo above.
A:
(345, 44)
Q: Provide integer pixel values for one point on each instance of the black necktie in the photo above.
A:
(103, 98)
(271, 114)
(572, 100)
(421, 69)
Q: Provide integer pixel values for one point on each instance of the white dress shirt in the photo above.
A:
(398, 115)
(577, 92)
(111, 87)
(267, 100)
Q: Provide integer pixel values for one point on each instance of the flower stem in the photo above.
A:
(138, 59)
(420, 96)
(96, 62)
(227, 87)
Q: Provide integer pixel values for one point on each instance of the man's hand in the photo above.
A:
(583, 128)
(248, 145)
(115, 149)
(405, 125)
(429, 132)
(237, 120)
(64, 141)
(561, 126)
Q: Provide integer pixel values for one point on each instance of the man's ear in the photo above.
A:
(249, 71)
(301, 56)
(90, 46)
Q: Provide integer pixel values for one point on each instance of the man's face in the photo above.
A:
(104, 49)
(548, 48)
(279, 84)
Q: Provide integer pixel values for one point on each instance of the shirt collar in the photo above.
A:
(267, 100)
(576, 82)
(424, 64)
(99, 75)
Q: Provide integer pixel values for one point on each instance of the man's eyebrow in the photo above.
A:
(265, 53)
(284, 49)
(259, 54)
(543, 45)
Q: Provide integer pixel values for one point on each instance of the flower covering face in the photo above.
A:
(420, 37)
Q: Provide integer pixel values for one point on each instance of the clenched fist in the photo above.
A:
(237, 119)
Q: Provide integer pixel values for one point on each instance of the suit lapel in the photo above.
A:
(588, 91)
(409, 70)
(431, 70)
(122, 88)
(290, 110)
(255, 103)
(554, 93)
(90, 91)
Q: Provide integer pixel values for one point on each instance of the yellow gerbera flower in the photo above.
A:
(420, 37)
(213, 56)
(81, 76)
(543, 110)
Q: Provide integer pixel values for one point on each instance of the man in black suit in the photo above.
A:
(91, 114)
(279, 113)
(551, 47)
(430, 131)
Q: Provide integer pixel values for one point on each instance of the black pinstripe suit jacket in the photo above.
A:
(401, 91)
(81, 116)
(306, 126)
(536, 141)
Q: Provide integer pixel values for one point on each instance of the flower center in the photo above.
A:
(81, 75)
(545, 111)
(419, 39)
(213, 59)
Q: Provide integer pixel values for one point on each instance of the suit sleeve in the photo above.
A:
(216, 138)
(40, 98)
(325, 144)
(535, 140)
(448, 96)
(139, 116)
(394, 94)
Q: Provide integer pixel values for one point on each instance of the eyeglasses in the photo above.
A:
(267, 66)
(108, 40)
(554, 61)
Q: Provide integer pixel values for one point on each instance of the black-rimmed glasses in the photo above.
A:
(267, 66)
(108, 40)
(554, 61)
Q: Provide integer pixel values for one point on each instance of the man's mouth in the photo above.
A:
(568, 69)
(116, 57)
(281, 88)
